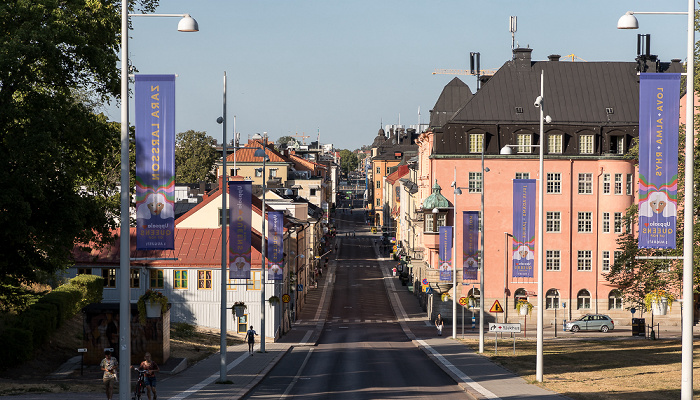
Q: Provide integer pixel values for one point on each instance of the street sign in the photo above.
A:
(513, 328)
(496, 307)
(83, 350)
(463, 301)
(424, 281)
(285, 298)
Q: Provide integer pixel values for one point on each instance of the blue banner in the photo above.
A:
(445, 253)
(240, 212)
(275, 252)
(524, 228)
(154, 96)
(659, 107)
(470, 245)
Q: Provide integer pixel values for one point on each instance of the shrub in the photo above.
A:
(16, 346)
(183, 329)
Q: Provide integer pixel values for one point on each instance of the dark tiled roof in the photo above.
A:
(454, 95)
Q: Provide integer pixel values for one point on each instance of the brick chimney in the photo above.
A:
(522, 58)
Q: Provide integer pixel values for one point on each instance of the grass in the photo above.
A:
(598, 369)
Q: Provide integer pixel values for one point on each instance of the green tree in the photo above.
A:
(281, 143)
(195, 157)
(348, 160)
(56, 154)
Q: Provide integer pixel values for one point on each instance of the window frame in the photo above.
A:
(587, 144)
(553, 183)
(256, 280)
(476, 143)
(585, 222)
(555, 143)
(523, 143)
(606, 222)
(180, 279)
(475, 182)
(584, 260)
(606, 183)
(585, 183)
(135, 278)
(605, 265)
(553, 222)
(109, 278)
(553, 260)
(618, 184)
(205, 279)
(158, 278)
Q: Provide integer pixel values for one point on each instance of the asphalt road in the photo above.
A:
(362, 353)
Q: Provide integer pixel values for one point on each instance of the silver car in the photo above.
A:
(591, 322)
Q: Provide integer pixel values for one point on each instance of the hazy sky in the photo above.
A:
(341, 68)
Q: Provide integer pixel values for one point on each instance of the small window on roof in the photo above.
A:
(518, 110)
(609, 110)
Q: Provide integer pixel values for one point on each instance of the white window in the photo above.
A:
(617, 254)
(618, 222)
(556, 144)
(553, 260)
(585, 183)
(475, 182)
(583, 300)
(584, 260)
(522, 175)
(553, 221)
(606, 222)
(606, 260)
(615, 300)
(585, 222)
(258, 172)
(629, 184)
(606, 183)
(619, 144)
(476, 143)
(553, 183)
(273, 172)
(618, 183)
(524, 142)
(552, 299)
(586, 144)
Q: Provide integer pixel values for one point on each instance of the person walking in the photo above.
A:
(109, 365)
(250, 338)
(439, 324)
(149, 377)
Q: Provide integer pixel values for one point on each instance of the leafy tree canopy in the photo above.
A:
(348, 160)
(195, 156)
(281, 143)
(58, 157)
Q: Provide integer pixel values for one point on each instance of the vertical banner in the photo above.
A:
(659, 103)
(275, 254)
(470, 245)
(524, 216)
(445, 255)
(240, 211)
(155, 162)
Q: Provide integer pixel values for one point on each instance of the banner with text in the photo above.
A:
(659, 107)
(239, 234)
(470, 245)
(524, 228)
(154, 97)
(445, 252)
(274, 245)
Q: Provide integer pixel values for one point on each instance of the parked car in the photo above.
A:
(591, 322)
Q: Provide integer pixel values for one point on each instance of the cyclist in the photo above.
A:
(151, 368)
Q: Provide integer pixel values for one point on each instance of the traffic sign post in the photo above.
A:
(512, 328)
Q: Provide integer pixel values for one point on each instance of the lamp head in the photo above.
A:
(506, 151)
(548, 119)
(458, 191)
(435, 210)
(187, 24)
(628, 21)
(538, 101)
(220, 120)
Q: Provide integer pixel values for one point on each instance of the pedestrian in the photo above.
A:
(250, 338)
(439, 323)
(151, 368)
(109, 365)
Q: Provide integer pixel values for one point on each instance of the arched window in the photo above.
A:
(583, 300)
(474, 292)
(615, 300)
(552, 299)
(520, 294)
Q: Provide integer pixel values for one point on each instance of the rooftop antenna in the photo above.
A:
(513, 29)
(475, 67)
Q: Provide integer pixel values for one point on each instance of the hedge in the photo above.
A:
(16, 346)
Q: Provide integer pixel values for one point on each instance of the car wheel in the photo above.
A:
(575, 328)
(604, 328)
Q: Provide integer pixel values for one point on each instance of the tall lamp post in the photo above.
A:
(260, 152)
(539, 103)
(456, 191)
(224, 223)
(186, 24)
(629, 21)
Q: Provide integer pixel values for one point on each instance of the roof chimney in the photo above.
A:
(554, 57)
(523, 57)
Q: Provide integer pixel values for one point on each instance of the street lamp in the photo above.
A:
(539, 103)
(505, 280)
(224, 192)
(260, 152)
(629, 21)
(186, 24)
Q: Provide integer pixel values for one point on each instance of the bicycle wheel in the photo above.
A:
(138, 391)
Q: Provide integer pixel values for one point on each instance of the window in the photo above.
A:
(584, 260)
(434, 221)
(522, 175)
(312, 192)
(254, 282)
(524, 142)
(618, 222)
(629, 184)
(615, 300)
(617, 145)
(379, 202)
(273, 172)
(180, 279)
(243, 324)
(476, 143)
(606, 183)
(553, 183)
(606, 260)
(379, 170)
(606, 222)
(585, 222)
(474, 292)
(556, 144)
(583, 300)
(379, 184)
(204, 279)
(232, 284)
(109, 276)
(553, 221)
(475, 182)
(586, 144)
(387, 171)
(617, 254)
(156, 278)
(228, 210)
(585, 183)
(84, 271)
(553, 260)
(258, 172)
(552, 299)
(618, 183)
(135, 278)
(429, 222)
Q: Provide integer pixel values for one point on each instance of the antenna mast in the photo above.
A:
(513, 29)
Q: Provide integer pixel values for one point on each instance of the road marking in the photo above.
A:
(298, 376)
(209, 380)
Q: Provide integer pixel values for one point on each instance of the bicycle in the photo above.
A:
(140, 384)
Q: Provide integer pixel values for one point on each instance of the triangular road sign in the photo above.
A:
(496, 307)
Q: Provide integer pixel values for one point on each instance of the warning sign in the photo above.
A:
(496, 307)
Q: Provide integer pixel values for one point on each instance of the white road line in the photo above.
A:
(209, 380)
(296, 378)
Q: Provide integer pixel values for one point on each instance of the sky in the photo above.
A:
(338, 70)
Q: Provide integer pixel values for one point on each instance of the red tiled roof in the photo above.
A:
(396, 175)
(247, 154)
